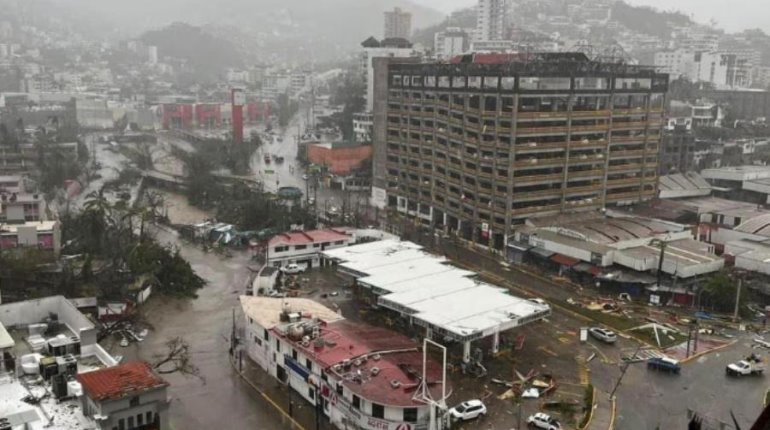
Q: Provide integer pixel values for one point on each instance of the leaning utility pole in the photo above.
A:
(737, 300)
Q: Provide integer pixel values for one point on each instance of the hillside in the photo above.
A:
(647, 20)
(299, 28)
(206, 53)
(464, 18)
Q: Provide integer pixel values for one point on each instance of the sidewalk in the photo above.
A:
(604, 413)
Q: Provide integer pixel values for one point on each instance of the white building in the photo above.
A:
(126, 396)
(303, 247)
(387, 48)
(450, 42)
(152, 54)
(493, 18)
(398, 23)
(357, 374)
(363, 126)
(420, 287)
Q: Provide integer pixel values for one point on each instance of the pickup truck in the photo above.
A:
(664, 364)
(293, 268)
(750, 366)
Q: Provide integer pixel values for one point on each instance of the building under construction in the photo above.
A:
(481, 143)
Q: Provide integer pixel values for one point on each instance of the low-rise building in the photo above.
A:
(340, 158)
(127, 396)
(360, 376)
(303, 247)
(43, 235)
(18, 207)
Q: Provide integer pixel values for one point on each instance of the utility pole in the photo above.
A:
(623, 372)
(737, 300)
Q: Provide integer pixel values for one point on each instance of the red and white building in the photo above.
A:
(303, 247)
(360, 376)
(44, 235)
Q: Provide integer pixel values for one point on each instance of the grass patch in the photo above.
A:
(666, 340)
(610, 320)
(588, 406)
(767, 397)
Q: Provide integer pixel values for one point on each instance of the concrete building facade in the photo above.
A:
(398, 23)
(493, 17)
(481, 145)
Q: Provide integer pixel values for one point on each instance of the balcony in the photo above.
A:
(535, 209)
(590, 113)
(575, 160)
(598, 128)
(595, 173)
(631, 111)
(584, 189)
(539, 162)
(623, 196)
(529, 195)
(626, 167)
(630, 125)
(615, 183)
(634, 139)
(541, 115)
(542, 130)
(521, 180)
(525, 148)
(615, 155)
(489, 113)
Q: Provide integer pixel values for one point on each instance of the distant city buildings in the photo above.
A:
(387, 48)
(398, 23)
(722, 68)
(450, 42)
(152, 54)
(493, 19)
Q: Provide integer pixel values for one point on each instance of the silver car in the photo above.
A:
(604, 335)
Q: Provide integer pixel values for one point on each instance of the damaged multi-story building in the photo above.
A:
(481, 143)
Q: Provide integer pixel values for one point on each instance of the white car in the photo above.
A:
(604, 335)
(292, 269)
(543, 421)
(468, 410)
(539, 301)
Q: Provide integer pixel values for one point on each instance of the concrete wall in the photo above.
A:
(37, 310)
(155, 401)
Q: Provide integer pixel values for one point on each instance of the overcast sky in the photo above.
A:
(731, 15)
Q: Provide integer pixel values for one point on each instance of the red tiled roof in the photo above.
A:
(306, 237)
(120, 381)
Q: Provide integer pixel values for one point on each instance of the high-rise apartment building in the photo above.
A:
(493, 18)
(398, 23)
(482, 144)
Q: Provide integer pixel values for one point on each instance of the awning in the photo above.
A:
(587, 268)
(564, 260)
(540, 252)
(519, 246)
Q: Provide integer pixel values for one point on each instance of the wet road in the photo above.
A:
(223, 401)
(702, 387)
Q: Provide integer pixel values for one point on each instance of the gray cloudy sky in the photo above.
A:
(732, 15)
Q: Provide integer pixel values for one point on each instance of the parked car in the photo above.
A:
(752, 365)
(543, 421)
(468, 410)
(293, 269)
(664, 364)
(604, 335)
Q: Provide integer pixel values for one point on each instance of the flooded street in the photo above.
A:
(221, 400)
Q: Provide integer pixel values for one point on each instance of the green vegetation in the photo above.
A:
(668, 339)
(349, 92)
(113, 238)
(767, 398)
(588, 406)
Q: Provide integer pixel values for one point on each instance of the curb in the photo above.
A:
(693, 357)
(591, 415)
(612, 417)
(294, 423)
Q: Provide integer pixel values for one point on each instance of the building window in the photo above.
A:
(130, 422)
(121, 424)
(294, 353)
(134, 402)
(339, 242)
(277, 345)
(311, 393)
(281, 248)
(149, 417)
(299, 247)
(356, 402)
(410, 415)
(339, 388)
(258, 341)
(139, 419)
(265, 335)
(308, 364)
(378, 411)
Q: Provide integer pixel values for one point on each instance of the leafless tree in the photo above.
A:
(177, 359)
